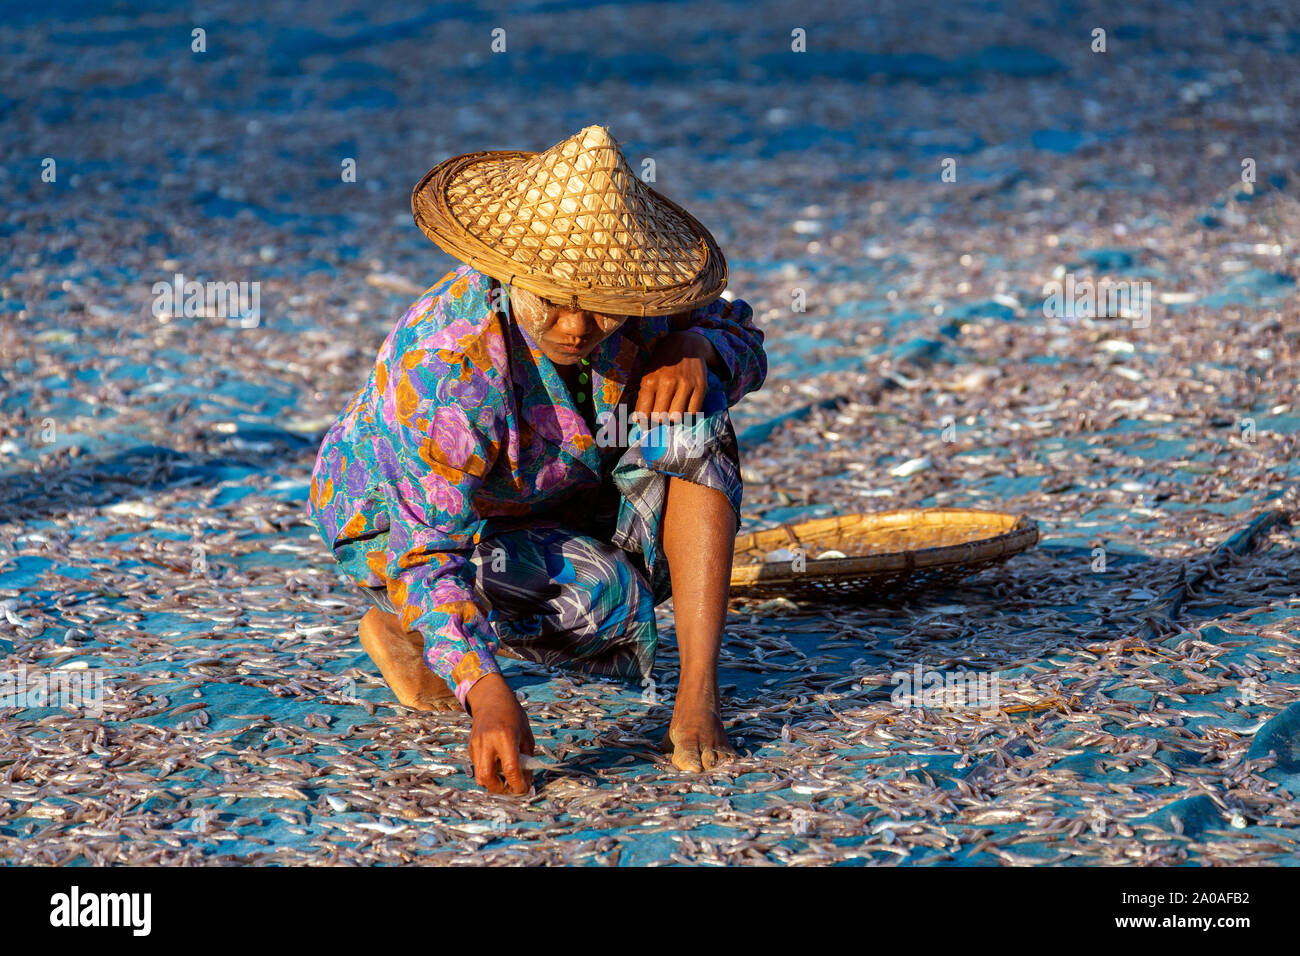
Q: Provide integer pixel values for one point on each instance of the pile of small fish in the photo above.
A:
(157, 557)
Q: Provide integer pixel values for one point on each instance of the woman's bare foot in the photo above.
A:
(399, 655)
(696, 737)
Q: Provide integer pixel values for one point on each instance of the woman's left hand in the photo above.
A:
(677, 377)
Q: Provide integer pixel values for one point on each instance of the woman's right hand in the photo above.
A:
(499, 734)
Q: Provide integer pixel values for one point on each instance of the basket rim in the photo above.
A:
(1020, 535)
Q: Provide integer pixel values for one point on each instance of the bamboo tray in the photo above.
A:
(889, 554)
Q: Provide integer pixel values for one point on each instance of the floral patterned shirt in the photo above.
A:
(464, 428)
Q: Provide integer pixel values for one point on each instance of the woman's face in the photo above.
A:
(565, 335)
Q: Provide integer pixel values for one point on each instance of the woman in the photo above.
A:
(489, 490)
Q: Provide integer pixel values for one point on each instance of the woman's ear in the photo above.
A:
(679, 321)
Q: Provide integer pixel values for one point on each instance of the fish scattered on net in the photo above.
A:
(159, 537)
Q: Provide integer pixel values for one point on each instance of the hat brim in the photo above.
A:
(434, 216)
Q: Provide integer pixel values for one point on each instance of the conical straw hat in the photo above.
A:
(573, 224)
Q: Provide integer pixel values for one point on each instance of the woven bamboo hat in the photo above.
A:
(573, 224)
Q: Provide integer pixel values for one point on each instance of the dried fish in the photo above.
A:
(153, 529)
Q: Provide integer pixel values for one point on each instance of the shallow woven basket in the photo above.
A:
(890, 554)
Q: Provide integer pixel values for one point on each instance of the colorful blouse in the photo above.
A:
(465, 428)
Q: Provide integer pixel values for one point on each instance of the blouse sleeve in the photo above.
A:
(729, 326)
(443, 418)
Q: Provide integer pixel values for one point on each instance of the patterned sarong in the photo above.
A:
(585, 599)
